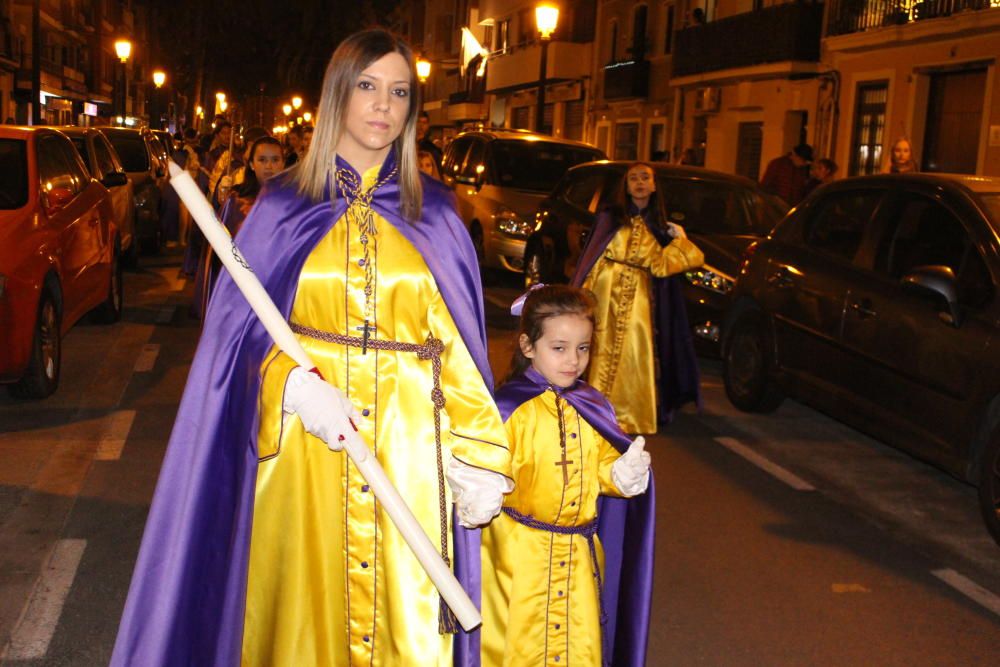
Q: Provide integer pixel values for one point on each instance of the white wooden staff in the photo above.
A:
(451, 591)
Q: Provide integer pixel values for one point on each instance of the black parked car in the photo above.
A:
(721, 213)
(144, 159)
(877, 301)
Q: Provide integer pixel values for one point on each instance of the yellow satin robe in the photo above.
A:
(331, 581)
(540, 601)
(622, 362)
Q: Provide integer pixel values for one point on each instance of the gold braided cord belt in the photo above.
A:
(431, 350)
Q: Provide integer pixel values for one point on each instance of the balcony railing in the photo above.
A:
(780, 33)
(626, 79)
(847, 16)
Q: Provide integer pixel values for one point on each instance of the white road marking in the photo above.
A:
(792, 480)
(147, 358)
(166, 314)
(38, 622)
(969, 588)
(114, 435)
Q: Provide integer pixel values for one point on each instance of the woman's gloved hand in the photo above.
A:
(630, 472)
(477, 493)
(324, 410)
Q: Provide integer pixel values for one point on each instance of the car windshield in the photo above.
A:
(992, 201)
(13, 174)
(536, 165)
(131, 150)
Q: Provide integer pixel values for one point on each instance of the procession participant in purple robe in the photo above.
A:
(264, 546)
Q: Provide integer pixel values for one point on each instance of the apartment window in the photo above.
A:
(526, 28)
(488, 36)
(639, 16)
(503, 36)
(748, 147)
(574, 120)
(668, 36)
(521, 118)
(869, 128)
(627, 141)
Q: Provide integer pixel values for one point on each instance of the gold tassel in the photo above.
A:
(447, 623)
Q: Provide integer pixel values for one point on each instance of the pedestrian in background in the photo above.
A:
(264, 159)
(821, 172)
(902, 157)
(263, 545)
(571, 465)
(641, 319)
(786, 176)
(424, 141)
(293, 141)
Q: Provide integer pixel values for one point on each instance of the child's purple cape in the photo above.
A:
(626, 526)
(187, 599)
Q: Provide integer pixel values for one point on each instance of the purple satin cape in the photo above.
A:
(626, 526)
(679, 375)
(187, 598)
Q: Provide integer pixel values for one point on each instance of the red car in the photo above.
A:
(59, 255)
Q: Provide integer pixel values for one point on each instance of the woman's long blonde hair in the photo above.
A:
(354, 54)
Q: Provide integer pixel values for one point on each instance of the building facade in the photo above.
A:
(82, 80)
(925, 71)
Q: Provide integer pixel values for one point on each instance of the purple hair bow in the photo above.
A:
(518, 305)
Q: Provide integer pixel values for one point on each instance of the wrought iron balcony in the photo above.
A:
(847, 16)
(787, 32)
(626, 79)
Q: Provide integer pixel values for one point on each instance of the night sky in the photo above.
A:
(284, 45)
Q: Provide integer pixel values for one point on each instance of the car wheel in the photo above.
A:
(989, 484)
(747, 364)
(42, 377)
(111, 310)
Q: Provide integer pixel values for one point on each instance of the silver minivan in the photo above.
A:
(499, 177)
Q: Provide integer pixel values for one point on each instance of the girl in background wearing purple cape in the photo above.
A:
(544, 595)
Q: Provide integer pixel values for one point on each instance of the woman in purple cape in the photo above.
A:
(264, 546)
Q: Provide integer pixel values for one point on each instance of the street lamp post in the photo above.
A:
(123, 49)
(546, 18)
(423, 73)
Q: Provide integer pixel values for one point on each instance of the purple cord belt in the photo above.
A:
(587, 530)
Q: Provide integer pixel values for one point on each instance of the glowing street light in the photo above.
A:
(296, 102)
(159, 78)
(546, 19)
(423, 69)
(307, 117)
(123, 48)
(286, 109)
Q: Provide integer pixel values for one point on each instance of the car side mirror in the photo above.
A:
(939, 281)
(114, 179)
(56, 199)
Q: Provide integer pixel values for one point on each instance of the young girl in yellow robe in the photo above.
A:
(543, 564)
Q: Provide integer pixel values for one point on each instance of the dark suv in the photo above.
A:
(722, 214)
(877, 301)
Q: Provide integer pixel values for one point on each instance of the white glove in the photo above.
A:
(477, 493)
(630, 472)
(324, 410)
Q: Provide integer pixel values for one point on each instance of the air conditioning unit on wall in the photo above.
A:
(707, 99)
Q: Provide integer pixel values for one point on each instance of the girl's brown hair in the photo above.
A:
(544, 303)
(354, 54)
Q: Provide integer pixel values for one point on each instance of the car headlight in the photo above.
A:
(711, 279)
(511, 223)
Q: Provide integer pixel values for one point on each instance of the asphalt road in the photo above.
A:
(785, 539)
